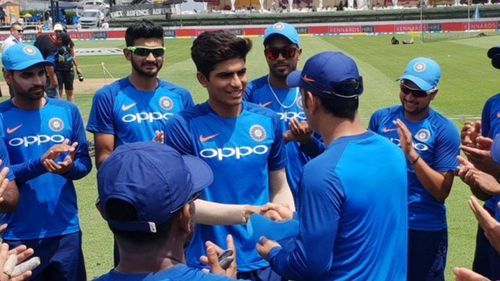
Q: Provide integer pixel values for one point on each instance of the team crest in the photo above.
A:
(278, 26)
(423, 135)
(258, 133)
(56, 124)
(419, 67)
(29, 50)
(166, 103)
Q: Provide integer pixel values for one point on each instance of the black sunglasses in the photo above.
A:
(415, 92)
(273, 53)
(20, 30)
(145, 51)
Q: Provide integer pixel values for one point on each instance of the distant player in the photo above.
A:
(431, 144)
(135, 108)
(352, 208)
(48, 150)
(282, 52)
(242, 143)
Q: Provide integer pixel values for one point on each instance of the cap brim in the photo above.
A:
(293, 79)
(493, 52)
(29, 63)
(495, 61)
(201, 173)
(495, 149)
(424, 86)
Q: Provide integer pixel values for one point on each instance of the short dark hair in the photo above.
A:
(213, 47)
(122, 211)
(14, 24)
(341, 107)
(143, 29)
(65, 39)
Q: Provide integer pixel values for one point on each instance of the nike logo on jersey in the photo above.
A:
(265, 104)
(387, 130)
(128, 106)
(12, 130)
(208, 138)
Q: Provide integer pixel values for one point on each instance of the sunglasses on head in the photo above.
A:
(145, 51)
(273, 53)
(415, 92)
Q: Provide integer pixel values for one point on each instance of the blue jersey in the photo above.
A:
(288, 107)
(241, 151)
(4, 154)
(179, 272)
(47, 205)
(437, 141)
(351, 227)
(490, 127)
(132, 115)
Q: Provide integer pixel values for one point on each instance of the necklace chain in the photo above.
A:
(278, 100)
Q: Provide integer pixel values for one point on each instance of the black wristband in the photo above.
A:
(415, 161)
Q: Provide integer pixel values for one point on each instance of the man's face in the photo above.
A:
(282, 56)
(413, 100)
(29, 83)
(17, 31)
(145, 65)
(226, 83)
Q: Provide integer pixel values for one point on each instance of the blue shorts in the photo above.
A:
(427, 255)
(61, 257)
(262, 274)
(486, 258)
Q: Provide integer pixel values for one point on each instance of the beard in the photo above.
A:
(146, 73)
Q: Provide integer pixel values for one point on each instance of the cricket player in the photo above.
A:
(136, 107)
(242, 142)
(282, 52)
(48, 150)
(431, 144)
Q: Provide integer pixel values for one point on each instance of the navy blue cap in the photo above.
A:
(424, 72)
(152, 177)
(283, 29)
(20, 57)
(327, 74)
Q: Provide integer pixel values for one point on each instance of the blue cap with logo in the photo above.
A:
(282, 29)
(494, 55)
(154, 178)
(329, 74)
(20, 57)
(424, 72)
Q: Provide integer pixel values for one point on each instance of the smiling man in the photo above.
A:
(48, 149)
(243, 144)
(431, 144)
(282, 52)
(136, 107)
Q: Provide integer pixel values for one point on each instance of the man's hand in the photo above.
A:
(480, 156)
(265, 246)
(489, 224)
(406, 140)
(477, 179)
(61, 167)
(4, 181)
(299, 131)
(463, 274)
(159, 137)
(212, 258)
(276, 212)
(470, 131)
(22, 253)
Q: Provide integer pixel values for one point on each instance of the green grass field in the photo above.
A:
(468, 80)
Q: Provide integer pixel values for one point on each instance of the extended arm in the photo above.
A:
(104, 146)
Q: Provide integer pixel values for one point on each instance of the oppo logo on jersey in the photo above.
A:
(236, 152)
(287, 116)
(36, 140)
(146, 117)
(418, 146)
